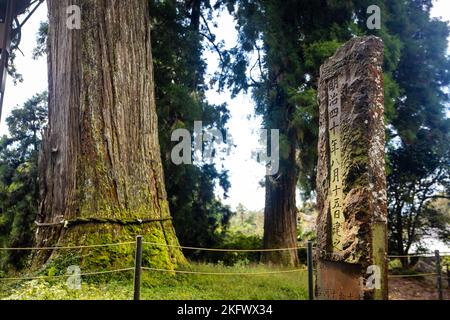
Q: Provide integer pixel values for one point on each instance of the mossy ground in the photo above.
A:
(158, 286)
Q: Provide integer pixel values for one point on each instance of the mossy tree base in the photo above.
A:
(95, 258)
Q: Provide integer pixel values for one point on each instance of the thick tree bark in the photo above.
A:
(280, 214)
(101, 171)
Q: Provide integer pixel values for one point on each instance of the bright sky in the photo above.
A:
(245, 173)
(34, 72)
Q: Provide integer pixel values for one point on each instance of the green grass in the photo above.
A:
(159, 286)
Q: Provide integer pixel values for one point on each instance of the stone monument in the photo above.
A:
(351, 178)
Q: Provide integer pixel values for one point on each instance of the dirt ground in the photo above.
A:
(416, 289)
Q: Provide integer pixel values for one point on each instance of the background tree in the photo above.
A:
(418, 174)
(418, 126)
(436, 219)
(19, 194)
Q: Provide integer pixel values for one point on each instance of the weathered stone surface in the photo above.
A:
(351, 179)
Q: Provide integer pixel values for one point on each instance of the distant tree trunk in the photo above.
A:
(400, 245)
(100, 164)
(280, 213)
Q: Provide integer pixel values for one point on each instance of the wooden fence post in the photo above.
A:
(448, 276)
(138, 268)
(439, 274)
(310, 271)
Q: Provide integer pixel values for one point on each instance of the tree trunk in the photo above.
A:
(280, 214)
(100, 165)
(399, 237)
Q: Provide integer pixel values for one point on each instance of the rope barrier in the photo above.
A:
(67, 247)
(443, 254)
(81, 221)
(429, 255)
(412, 275)
(412, 256)
(221, 250)
(224, 273)
(66, 276)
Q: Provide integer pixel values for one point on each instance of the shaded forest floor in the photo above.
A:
(156, 286)
(416, 289)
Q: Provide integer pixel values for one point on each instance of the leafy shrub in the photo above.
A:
(234, 241)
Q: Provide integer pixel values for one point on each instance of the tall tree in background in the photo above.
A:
(290, 39)
(101, 173)
(416, 71)
(180, 35)
(419, 149)
(19, 194)
(417, 124)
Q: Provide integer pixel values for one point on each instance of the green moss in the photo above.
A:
(356, 160)
(378, 251)
(114, 257)
(156, 256)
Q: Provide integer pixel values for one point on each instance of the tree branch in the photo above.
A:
(217, 49)
(210, 38)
